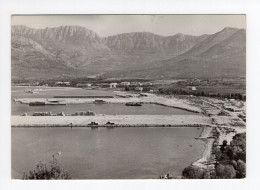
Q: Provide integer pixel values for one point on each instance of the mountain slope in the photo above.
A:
(144, 42)
(226, 58)
(74, 51)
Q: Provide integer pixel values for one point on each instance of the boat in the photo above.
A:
(133, 104)
(110, 124)
(37, 104)
(31, 91)
(99, 102)
(93, 125)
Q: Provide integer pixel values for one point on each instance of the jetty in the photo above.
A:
(118, 120)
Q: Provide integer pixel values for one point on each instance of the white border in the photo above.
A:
(250, 8)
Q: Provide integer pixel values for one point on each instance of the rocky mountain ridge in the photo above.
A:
(75, 50)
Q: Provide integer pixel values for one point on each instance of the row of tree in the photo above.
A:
(170, 91)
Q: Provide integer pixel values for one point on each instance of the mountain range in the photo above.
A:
(75, 51)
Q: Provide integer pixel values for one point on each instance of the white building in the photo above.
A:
(193, 88)
(140, 89)
(113, 85)
(62, 83)
(83, 85)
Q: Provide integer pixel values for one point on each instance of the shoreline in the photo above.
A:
(109, 126)
(117, 120)
(207, 147)
(210, 118)
(150, 99)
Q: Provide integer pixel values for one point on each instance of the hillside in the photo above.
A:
(224, 58)
(74, 51)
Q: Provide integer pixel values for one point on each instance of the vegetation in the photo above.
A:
(230, 161)
(225, 171)
(49, 171)
(215, 91)
(193, 172)
(237, 149)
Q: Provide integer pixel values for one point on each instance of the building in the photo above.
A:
(125, 83)
(136, 84)
(140, 89)
(193, 88)
(113, 85)
(147, 84)
(62, 83)
(83, 85)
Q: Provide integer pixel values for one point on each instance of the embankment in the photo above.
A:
(118, 120)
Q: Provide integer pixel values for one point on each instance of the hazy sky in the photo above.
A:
(106, 25)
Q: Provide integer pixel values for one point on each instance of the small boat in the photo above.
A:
(110, 123)
(93, 125)
(37, 104)
(99, 102)
(133, 104)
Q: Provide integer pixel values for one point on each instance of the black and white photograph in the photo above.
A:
(128, 96)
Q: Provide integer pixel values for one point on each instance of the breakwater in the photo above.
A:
(88, 96)
(106, 126)
(177, 107)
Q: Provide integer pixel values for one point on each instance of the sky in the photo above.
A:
(165, 25)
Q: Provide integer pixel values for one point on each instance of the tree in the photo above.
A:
(241, 169)
(225, 171)
(193, 172)
(223, 146)
(237, 149)
(42, 171)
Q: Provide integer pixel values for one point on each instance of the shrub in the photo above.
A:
(193, 172)
(225, 172)
(210, 174)
(234, 164)
(237, 149)
(241, 169)
(42, 171)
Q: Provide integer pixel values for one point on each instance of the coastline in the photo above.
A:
(118, 120)
(209, 118)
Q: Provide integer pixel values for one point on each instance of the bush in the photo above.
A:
(216, 151)
(241, 169)
(42, 171)
(210, 175)
(237, 149)
(225, 172)
(234, 164)
(193, 172)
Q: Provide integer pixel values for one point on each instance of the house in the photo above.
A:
(193, 88)
(148, 84)
(136, 84)
(125, 83)
(83, 85)
(140, 89)
(113, 85)
(62, 83)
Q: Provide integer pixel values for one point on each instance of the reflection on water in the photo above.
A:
(119, 153)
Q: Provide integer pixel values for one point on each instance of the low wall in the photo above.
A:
(83, 96)
(104, 126)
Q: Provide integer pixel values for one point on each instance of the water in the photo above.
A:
(119, 153)
(49, 92)
(109, 109)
